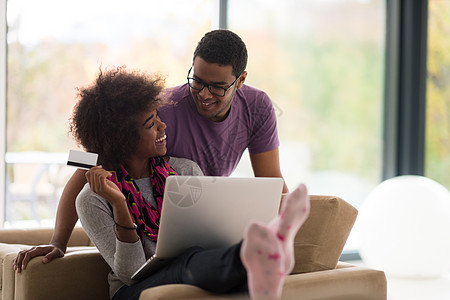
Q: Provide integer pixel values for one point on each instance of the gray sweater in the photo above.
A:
(97, 220)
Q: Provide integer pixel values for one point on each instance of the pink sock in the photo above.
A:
(268, 252)
(293, 213)
(262, 257)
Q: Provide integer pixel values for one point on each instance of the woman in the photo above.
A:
(117, 117)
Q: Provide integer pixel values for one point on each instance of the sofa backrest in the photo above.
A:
(318, 244)
(41, 236)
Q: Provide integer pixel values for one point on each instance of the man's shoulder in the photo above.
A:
(250, 94)
(252, 100)
(248, 89)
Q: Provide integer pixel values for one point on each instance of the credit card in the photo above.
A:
(82, 160)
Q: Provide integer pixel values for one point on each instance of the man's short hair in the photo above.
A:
(225, 48)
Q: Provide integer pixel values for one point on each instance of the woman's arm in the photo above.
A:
(120, 247)
(66, 218)
(98, 181)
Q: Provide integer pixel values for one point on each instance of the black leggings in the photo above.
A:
(217, 270)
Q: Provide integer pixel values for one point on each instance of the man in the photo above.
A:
(211, 120)
(215, 117)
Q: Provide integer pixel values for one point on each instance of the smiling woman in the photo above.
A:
(120, 133)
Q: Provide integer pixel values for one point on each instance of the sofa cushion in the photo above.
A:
(321, 239)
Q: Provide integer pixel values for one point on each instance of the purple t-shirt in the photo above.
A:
(217, 147)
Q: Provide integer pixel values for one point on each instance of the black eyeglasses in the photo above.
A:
(198, 85)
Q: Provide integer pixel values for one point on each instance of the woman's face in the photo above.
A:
(152, 135)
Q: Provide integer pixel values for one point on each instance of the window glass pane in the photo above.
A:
(322, 64)
(437, 144)
(55, 46)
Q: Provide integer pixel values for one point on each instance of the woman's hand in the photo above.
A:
(97, 178)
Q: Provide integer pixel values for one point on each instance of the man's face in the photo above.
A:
(212, 107)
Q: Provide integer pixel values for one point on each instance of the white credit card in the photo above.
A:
(82, 160)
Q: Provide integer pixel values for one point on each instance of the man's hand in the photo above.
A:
(49, 252)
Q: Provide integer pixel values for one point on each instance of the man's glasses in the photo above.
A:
(198, 85)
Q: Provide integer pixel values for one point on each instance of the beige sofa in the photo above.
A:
(82, 272)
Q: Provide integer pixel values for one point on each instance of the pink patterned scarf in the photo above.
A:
(143, 213)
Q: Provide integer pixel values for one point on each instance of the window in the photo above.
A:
(322, 64)
(437, 141)
(55, 46)
(2, 106)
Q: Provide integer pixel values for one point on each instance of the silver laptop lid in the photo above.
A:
(213, 212)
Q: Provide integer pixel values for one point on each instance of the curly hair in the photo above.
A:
(104, 120)
(225, 48)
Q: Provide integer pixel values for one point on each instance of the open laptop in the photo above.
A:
(209, 212)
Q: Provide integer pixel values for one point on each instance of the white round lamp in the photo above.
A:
(404, 227)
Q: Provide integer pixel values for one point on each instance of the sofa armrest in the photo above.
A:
(78, 275)
(345, 283)
(41, 236)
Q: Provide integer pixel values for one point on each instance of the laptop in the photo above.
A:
(209, 212)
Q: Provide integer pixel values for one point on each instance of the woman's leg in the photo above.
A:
(267, 251)
(293, 213)
(217, 270)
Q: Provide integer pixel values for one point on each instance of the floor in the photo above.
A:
(417, 289)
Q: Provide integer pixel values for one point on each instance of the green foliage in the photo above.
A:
(343, 90)
(437, 160)
(41, 94)
(329, 97)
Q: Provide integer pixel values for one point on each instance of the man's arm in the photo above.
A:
(66, 218)
(66, 215)
(267, 164)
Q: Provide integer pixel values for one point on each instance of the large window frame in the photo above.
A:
(405, 88)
